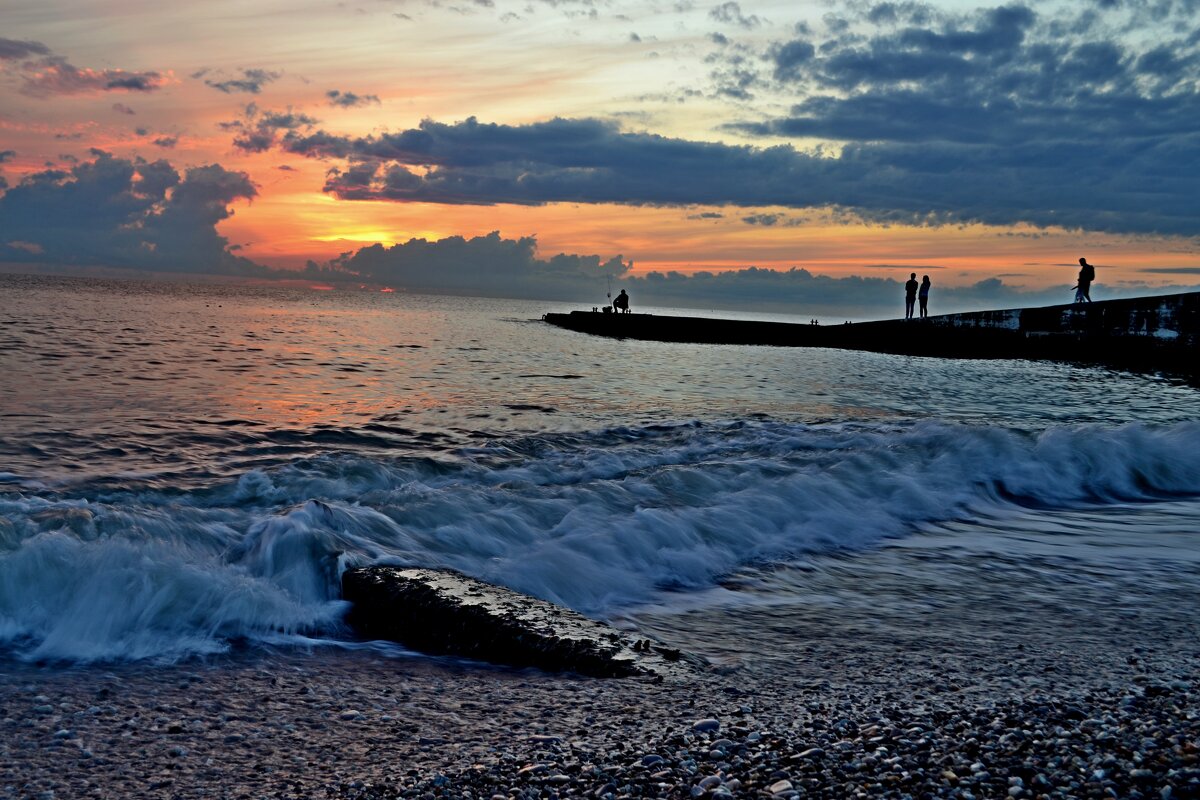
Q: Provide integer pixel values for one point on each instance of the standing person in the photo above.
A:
(910, 295)
(923, 296)
(1087, 274)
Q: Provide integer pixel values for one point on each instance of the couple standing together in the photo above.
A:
(914, 290)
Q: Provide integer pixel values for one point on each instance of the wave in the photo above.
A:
(595, 521)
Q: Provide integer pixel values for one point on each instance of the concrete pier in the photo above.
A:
(1144, 333)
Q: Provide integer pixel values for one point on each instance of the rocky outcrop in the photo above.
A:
(442, 612)
(1148, 333)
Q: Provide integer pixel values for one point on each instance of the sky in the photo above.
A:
(808, 153)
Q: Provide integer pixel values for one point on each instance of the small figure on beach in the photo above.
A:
(923, 296)
(1083, 289)
(910, 295)
(621, 302)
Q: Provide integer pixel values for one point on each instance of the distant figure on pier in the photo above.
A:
(1083, 289)
(910, 295)
(621, 302)
(923, 296)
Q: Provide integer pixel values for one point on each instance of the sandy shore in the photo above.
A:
(993, 678)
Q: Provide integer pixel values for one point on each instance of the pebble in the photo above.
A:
(706, 725)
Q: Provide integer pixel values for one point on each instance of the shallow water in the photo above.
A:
(160, 445)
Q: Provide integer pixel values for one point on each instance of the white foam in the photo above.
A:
(593, 521)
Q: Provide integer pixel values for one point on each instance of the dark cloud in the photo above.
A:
(258, 130)
(166, 142)
(766, 220)
(251, 82)
(15, 50)
(121, 213)
(731, 13)
(1137, 189)
(484, 265)
(350, 99)
(1171, 270)
(54, 75)
(284, 120)
(7, 155)
(121, 108)
(1003, 115)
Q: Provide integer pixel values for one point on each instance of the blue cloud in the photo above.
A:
(984, 176)
(134, 214)
(251, 82)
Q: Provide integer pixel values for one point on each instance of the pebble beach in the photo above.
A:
(1017, 687)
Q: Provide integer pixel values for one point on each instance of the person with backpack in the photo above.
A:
(1087, 274)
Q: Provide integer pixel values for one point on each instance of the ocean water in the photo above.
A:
(187, 468)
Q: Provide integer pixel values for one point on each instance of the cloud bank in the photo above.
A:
(497, 267)
(484, 265)
(1048, 183)
(125, 213)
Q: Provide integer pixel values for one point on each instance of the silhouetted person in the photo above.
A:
(923, 296)
(621, 302)
(1083, 289)
(910, 295)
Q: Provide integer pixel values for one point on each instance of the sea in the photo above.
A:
(168, 451)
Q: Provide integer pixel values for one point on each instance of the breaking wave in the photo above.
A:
(596, 521)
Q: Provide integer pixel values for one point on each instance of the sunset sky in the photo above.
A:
(845, 138)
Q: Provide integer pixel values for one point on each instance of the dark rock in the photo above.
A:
(442, 612)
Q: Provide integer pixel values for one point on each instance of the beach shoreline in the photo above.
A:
(1017, 678)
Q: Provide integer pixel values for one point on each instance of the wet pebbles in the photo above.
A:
(1141, 744)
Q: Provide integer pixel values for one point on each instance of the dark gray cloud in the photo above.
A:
(730, 13)
(166, 142)
(125, 213)
(1135, 189)
(251, 82)
(766, 220)
(15, 50)
(6, 155)
(121, 108)
(258, 130)
(1002, 115)
(484, 265)
(350, 99)
(1171, 270)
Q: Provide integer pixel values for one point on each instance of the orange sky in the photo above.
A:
(653, 69)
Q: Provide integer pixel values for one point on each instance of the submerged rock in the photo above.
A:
(442, 612)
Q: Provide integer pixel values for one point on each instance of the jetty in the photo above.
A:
(1144, 333)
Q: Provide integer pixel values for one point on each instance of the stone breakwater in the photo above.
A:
(1139, 744)
(1145, 333)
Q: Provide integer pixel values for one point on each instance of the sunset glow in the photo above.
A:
(703, 138)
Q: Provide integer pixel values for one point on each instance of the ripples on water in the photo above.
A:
(159, 443)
